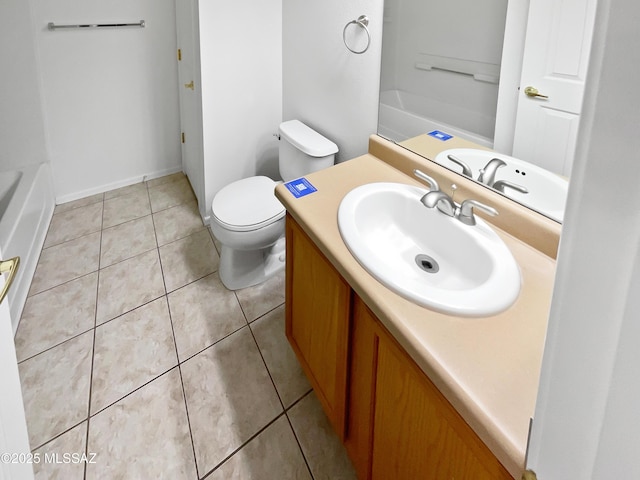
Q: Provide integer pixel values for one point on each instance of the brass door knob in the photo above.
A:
(190, 85)
(11, 267)
(533, 92)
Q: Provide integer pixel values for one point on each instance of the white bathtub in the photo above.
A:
(403, 115)
(26, 207)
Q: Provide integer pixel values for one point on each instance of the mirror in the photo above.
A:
(440, 71)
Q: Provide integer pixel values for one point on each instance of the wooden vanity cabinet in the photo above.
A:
(399, 424)
(317, 321)
(392, 419)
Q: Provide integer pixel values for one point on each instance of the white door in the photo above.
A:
(14, 440)
(190, 97)
(556, 56)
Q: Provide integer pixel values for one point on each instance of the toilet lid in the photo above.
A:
(247, 204)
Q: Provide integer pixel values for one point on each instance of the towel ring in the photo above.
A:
(362, 21)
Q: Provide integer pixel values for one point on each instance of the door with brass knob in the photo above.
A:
(554, 68)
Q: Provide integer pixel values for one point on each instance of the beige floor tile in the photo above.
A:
(130, 351)
(73, 224)
(127, 240)
(55, 388)
(174, 177)
(230, 397)
(71, 442)
(128, 190)
(56, 315)
(272, 454)
(81, 202)
(260, 299)
(325, 454)
(188, 259)
(128, 284)
(202, 313)
(177, 222)
(170, 194)
(144, 436)
(282, 363)
(64, 262)
(127, 207)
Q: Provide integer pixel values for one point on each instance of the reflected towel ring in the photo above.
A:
(363, 21)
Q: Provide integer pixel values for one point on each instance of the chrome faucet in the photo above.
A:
(488, 173)
(465, 214)
(436, 198)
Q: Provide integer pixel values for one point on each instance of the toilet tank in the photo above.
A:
(303, 150)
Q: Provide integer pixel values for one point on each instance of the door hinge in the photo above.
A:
(182, 137)
(179, 55)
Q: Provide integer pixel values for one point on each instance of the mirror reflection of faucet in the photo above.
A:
(488, 173)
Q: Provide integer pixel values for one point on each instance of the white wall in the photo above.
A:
(586, 422)
(22, 133)
(110, 95)
(241, 78)
(325, 86)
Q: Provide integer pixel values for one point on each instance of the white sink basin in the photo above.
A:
(547, 191)
(424, 255)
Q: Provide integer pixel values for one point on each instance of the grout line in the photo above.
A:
(266, 367)
(295, 435)
(59, 435)
(57, 344)
(184, 393)
(93, 347)
(132, 391)
(228, 457)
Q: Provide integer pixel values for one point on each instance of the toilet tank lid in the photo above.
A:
(306, 139)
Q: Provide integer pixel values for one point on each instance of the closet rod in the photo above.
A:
(53, 26)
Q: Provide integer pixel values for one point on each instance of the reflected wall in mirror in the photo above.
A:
(461, 67)
(441, 68)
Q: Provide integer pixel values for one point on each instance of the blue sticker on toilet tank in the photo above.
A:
(300, 187)
(440, 135)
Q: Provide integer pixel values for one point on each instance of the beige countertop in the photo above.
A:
(488, 368)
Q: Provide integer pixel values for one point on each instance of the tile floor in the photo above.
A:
(131, 349)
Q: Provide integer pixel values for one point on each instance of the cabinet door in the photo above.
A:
(417, 433)
(317, 321)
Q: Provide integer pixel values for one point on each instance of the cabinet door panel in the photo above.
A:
(417, 433)
(318, 322)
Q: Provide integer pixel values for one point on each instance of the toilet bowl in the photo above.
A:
(248, 219)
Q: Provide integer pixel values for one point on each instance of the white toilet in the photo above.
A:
(248, 219)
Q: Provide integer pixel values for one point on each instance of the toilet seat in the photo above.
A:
(247, 204)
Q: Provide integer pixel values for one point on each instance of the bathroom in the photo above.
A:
(340, 102)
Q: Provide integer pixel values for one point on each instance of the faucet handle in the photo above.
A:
(465, 215)
(501, 184)
(433, 184)
(466, 170)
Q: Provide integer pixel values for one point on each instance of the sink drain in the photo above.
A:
(427, 263)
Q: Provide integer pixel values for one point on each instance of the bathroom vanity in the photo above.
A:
(411, 392)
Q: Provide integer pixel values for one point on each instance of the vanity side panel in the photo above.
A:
(317, 322)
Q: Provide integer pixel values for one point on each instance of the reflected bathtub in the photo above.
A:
(403, 115)
(26, 208)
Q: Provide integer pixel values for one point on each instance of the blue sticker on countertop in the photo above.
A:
(300, 187)
(440, 135)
